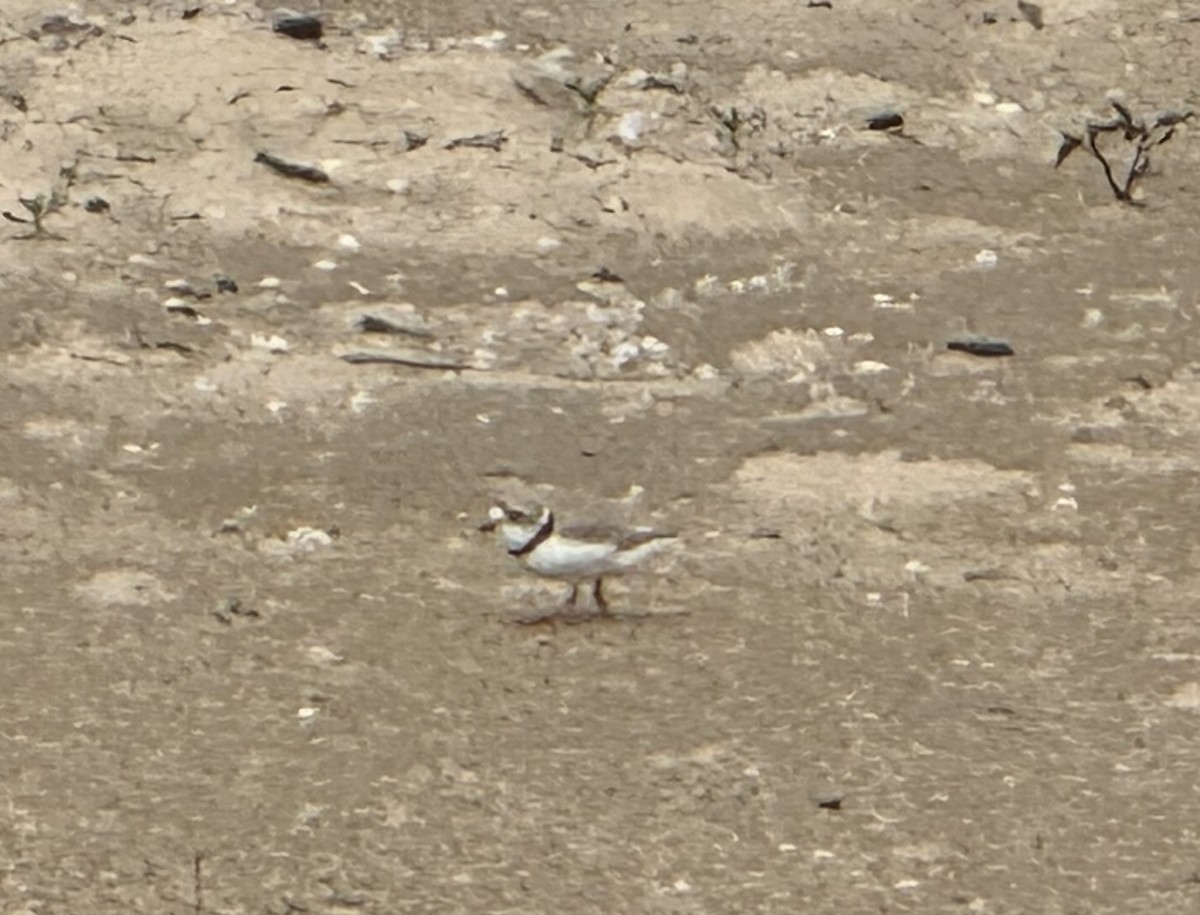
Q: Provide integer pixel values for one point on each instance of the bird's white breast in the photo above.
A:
(559, 557)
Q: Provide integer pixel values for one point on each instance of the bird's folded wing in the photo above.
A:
(637, 538)
(621, 537)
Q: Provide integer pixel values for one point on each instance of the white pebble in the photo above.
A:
(870, 367)
(307, 539)
(273, 343)
(631, 125)
(493, 41)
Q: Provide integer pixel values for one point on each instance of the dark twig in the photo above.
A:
(493, 140)
(1134, 130)
(292, 169)
(1069, 145)
(197, 883)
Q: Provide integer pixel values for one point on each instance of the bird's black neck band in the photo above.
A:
(542, 535)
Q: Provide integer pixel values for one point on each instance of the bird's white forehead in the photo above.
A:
(496, 513)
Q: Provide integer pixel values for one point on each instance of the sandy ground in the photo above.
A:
(931, 644)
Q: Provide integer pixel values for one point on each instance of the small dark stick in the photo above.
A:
(292, 169)
(981, 347)
(1069, 145)
(197, 883)
(494, 140)
(604, 275)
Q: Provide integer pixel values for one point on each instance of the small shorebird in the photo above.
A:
(574, 554)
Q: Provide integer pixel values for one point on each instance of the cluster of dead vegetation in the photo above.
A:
(1141, 136)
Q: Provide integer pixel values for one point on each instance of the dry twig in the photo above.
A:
(1142, 134)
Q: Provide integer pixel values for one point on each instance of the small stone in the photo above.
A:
(1032, 13)
(411, 139)
(178, 306)
(302, 28)
(180, 285)
(631, 127)
(827, 797)
(885, 120)
(986, 259)
(308, 539)
(321, 655)
(392, 319)
(493, 41)
(230, 607)
(386, 45)
(272, 344)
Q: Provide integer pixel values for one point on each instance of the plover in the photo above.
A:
(575, 554)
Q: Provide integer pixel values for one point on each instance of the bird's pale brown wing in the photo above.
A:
(594, 533)
(634, 539)
(622, 537)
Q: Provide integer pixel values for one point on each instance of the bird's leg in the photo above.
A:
(598, 594)
(574, 594)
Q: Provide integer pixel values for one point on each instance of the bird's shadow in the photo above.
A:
(568, 615)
